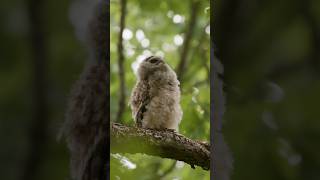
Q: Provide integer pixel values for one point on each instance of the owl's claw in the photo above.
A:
(171, 130)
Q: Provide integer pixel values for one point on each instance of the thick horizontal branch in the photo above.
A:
(163, 143)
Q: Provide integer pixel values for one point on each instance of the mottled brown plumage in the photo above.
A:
(155, 99)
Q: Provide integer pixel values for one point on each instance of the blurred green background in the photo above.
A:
(29, 147)
(271, 53)
(158, 28)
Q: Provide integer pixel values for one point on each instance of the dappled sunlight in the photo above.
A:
(208, 29)
(124, 161)
(178, 40)
(140, 35)
(127, 34)
(145, 43)
(178, 19)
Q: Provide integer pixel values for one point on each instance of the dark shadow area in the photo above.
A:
(271, 56)
(44, 48)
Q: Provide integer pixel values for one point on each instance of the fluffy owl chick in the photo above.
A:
(155, 99)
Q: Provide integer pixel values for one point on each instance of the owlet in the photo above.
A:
(155, 99)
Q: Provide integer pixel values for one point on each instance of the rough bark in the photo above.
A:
(162, 143)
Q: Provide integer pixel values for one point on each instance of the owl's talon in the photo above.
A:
(170, 130)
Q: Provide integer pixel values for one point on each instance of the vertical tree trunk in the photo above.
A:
(122, 99)
(37, 132)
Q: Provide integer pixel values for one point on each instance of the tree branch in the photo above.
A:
(122, 99)
(163, 143)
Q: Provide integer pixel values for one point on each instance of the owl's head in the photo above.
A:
(153, 61)
(151, 65)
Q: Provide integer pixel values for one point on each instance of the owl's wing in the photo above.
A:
(142, 108)
(139, 100)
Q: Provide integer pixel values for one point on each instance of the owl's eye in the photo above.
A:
(153, 61)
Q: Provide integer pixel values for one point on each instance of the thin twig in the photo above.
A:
(169, 170)
(194, 6)
(121, 106)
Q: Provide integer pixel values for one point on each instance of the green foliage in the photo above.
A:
(155, 20)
